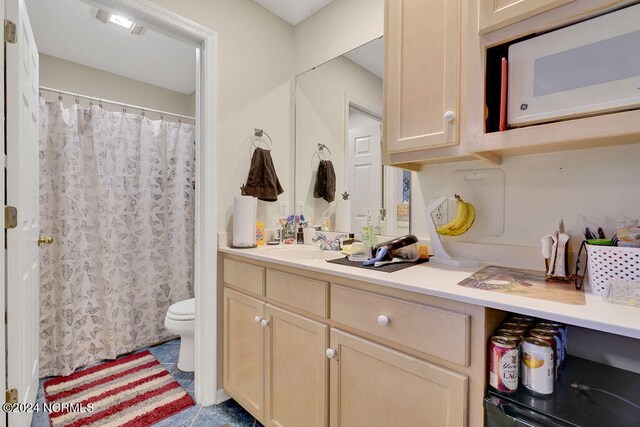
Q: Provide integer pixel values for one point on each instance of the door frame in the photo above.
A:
(205, 263)
(3, 254)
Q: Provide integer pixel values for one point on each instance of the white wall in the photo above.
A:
(65, 75)
(320, 117)
(336, 29)
(544, 188)
(255, 74)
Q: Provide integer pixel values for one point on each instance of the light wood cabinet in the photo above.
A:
(422, 74)
(297, 370)
(372, 385)
(496, 14)
(244, 351)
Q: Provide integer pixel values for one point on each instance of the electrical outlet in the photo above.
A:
(441, 214)
(283, 209)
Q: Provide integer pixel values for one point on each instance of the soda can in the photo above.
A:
(503, 365)
(550, 339)
(537, 366)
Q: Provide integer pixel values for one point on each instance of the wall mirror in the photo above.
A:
(339, 120)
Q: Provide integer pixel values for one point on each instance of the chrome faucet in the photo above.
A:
(325, 244)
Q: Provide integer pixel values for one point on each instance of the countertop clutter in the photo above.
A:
(442, 281)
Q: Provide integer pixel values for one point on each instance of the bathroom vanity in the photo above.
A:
(311, 343)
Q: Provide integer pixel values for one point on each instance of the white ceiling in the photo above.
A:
(293, 11)
(369, 56)
(66, 29)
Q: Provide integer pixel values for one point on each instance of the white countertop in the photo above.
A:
(442, 281)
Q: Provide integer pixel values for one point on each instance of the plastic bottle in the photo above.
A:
(366, 233)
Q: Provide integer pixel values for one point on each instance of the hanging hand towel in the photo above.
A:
(325, 187)
(262, 181)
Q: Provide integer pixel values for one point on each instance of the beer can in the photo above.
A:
(561, 327)
(559, 339)
(550, 339)
(503, 365)
(537, 366)
(509, 333)
(515, 327)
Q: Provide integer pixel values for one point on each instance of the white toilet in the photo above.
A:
(180, 320)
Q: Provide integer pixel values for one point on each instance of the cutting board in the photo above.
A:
(484, 188)
(526, 283)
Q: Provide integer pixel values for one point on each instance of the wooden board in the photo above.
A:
(526, 283)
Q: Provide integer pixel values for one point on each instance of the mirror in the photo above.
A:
(339, 120)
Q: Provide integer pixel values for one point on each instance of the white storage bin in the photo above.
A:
(611, 262)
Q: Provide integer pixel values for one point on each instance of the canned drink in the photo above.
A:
(516, 328)
(561, 327)
(503, 365)
(509, 333)
(537, 366)
(550, 339)
(559, 342)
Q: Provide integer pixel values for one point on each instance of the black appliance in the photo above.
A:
(567, 406)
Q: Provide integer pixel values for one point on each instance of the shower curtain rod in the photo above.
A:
(120, 104)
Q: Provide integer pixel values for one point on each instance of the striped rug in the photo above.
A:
(133, 391)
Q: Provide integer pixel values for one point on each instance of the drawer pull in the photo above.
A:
(264, 323)
(449, 116)
(257, 319)
(383, 320)
(331, 353)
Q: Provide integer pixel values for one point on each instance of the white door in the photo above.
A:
(23, 281)
(364, 171)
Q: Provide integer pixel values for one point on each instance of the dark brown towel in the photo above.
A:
(262, 181)
(325, 187)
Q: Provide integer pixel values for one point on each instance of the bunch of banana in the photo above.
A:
(465, 216)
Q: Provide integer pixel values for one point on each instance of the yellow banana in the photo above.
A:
(465, 217)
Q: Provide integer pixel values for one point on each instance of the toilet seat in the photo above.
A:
(183, 310)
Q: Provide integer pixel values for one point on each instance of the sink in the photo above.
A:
(301, 253)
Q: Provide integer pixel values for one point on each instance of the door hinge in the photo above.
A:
(10, 217)
(9, 31)
(12, 396)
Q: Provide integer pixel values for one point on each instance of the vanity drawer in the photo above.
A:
(244, 276)
(434, 331)
(297, 291)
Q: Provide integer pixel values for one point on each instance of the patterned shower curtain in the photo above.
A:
(116, 194)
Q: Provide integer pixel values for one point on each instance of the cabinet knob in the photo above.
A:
(383, 320)
(449, 116)
(264, 323)
(331, 353)
(257, 319)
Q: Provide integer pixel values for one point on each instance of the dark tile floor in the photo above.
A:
(227, 413)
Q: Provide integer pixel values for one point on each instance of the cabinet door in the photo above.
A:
(297, 370)
(496, 14)
(244, 351)
(372, 385)
(422, 49)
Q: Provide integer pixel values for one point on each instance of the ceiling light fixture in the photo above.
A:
(104, 17)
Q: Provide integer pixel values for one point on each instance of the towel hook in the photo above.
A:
(258, 134)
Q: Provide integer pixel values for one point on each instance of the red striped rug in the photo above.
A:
(133, 391)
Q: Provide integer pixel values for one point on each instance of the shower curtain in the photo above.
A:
(116, 194)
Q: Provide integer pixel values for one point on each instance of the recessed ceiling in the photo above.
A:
(67, 29)
(293, 11)
(369, 56)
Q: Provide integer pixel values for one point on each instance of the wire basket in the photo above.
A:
(611, 262)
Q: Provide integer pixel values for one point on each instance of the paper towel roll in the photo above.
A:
(343, 216)
(244, 221)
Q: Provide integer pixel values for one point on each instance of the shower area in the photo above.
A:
(117, 194)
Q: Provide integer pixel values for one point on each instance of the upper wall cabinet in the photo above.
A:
(496, 14)
(422, 81)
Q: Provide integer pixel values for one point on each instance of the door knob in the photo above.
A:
(257, 319)
(264, 323)
(449, 116)
(331, 353)
(45, 240)
(383, 320)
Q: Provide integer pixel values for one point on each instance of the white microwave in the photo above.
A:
(585, 69)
